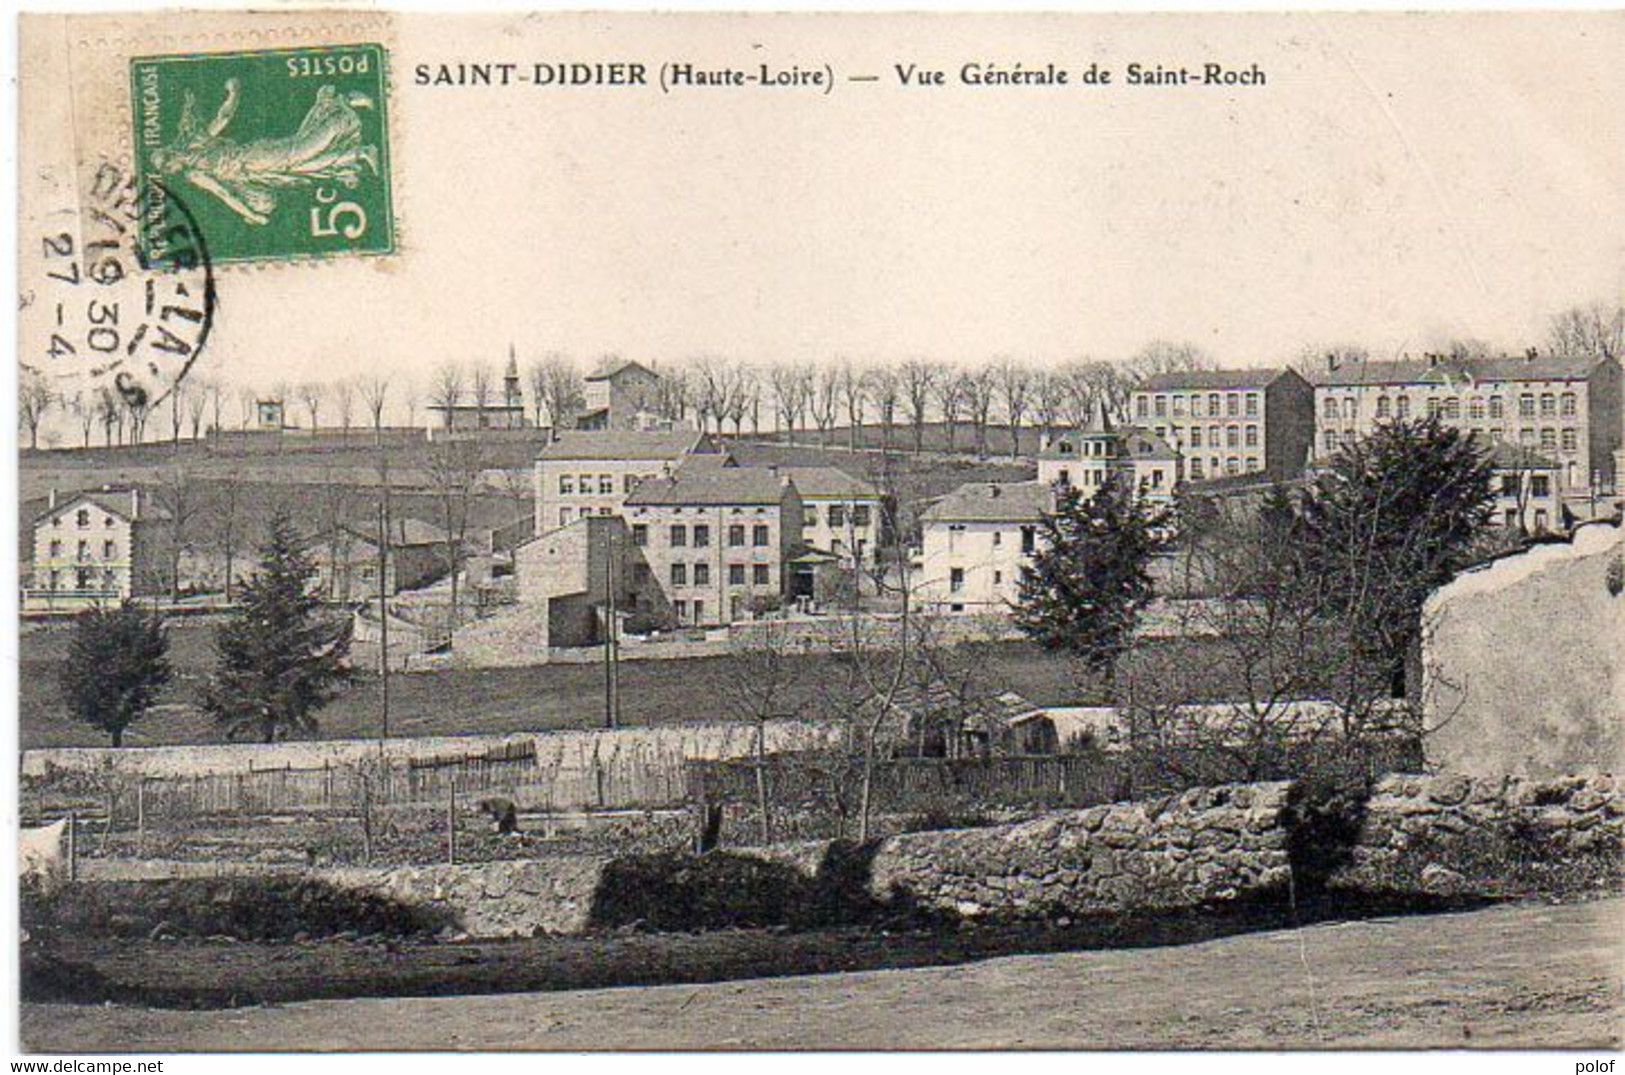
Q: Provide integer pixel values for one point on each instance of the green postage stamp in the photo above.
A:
(272, 155)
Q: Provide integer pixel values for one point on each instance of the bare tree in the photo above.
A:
(855, 391)
(34, 401)
(407, 389)
(792, 388)
(715, 389)
(1596, 330)
(1015, 384)
(344, 403)
(454, 473)
(951, 393)
(536, 380)
(180, 508)
(197, 406)
(374, 397)
(1049, 402)
(110, 409)
(138, 406)
(557, 386)
(227, 532)
(217, 400)
(1165, 356)
(482, 386)
(885, 388)
(761, 676)
(83, 406)
(311, 394)
(248, 404)
(1316, 359)
(743, 389)
(981, 387)
(447, 390)
(177, 395)
(919, 380)
(672, 395)
(824, 401)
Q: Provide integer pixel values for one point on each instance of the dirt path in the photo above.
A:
(1526, 976)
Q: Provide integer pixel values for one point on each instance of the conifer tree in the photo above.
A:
(117, 665)
(279, 659)
(1089, 579)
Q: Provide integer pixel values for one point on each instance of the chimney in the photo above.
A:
(1433, 360)
(1529, 355)
(1331, 362)
(135, 501)
(993, 490)
(51, 503)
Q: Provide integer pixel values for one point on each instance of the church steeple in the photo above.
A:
(510, 380)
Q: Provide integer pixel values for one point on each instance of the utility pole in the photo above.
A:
(383, 588)
(611, 656)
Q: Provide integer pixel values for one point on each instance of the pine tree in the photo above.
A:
(278, 660)
(1393, 517)
(117, 665)
(1089, 579)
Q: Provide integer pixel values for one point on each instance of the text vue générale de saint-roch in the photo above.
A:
(684, 74)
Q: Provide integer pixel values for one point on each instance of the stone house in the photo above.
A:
(590, 473)
(621, 395)
(843, 515)
(1228, 422)
(347, 560)
(95, 546)
(1083, 458)
(974, 542)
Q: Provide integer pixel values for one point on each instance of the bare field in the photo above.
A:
(1519, 976)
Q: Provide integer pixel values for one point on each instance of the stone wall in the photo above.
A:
(520, 898)
(1455, 834)
(1204, 845)
(1524, 663)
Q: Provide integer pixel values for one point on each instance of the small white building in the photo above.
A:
(92, 547)
(974, 542)
(1084, 458)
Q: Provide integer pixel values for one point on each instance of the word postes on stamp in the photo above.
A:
(280, 154)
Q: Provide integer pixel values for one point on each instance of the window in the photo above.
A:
(584, 483)
(1402, 409)
(1475, 409)
(702, 574)
(107, 550)
(1179, 406)
(736, 574)
(1161, 409)
(83, 518)
(699, 611)
(680, 608)
(1509, 486)
(759, 536)
(998, 578)
(1570, 405)
(1548, 405)
(1232, 465)
(56, 548)
(1330, 437)
(84, 550)
(679, 574)
(606, 484)
(1433, 407)
(837, 516)
(640, 534)
(809, 515)
(1213, 404)
(956, 580)
(1196, 436)
(1526, 405)
(1253, 464)
(1232, 404)
(736, 536)
(1252, 404)
(1351, 408)
(1540, 486)
(1571, 440)
(565, 515)
(1142, 406)
(1498, 407)
(1526, 435)
(627, 482)
(1232, 437)
(1548, 440)
(1252, 436)
(860, 515)
(761, 575)
(1196, 406)
(1384, 406)
(679, 536)
(1451, 409)
(1065, 477)
(606, 510)
(998, 538)
(567, 485)
(1540, 519)
(702, 536)
(1196, 470)
(736, 607)
(1029, 539)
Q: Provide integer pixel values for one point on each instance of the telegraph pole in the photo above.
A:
(611, 702)
(383, 589)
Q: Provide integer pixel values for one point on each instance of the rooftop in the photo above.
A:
(617, 367)
(115, 500)
(1447, 370)
(992, 502)
(829, 482)
(604, 444)
(710, 486)
(1176, 380)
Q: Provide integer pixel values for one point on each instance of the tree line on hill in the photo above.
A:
(723, 394)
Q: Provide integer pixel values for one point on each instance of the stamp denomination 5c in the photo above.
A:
(280, 154)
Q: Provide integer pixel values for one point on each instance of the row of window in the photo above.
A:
(760, 574)
(81, 519)
(1219, 404)
(1540, 486)
(109, 550)
(1228, 466)
(1029, 537)
(1548, 440)
(595, 484)
(85, 578)
(1450, 408)
(698, 536)
(1233, 436)
(838, 515)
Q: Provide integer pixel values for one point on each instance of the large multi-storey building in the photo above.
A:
(1226, 422)
(716, 541)
(590, 473)
(1566, 409)
(975, 540)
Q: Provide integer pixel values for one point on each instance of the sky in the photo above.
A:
(1399, 181)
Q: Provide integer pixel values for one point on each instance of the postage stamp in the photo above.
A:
(279, 154)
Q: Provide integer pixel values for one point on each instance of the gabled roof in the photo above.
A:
(829, 482)
(1446, 370)
(1141, 443)
(1177, 380)
(977, 502)
(616, 368)
(116, 502)
(404, 533)
(606, 444)
(710, 486)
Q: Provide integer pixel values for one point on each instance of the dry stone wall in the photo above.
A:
(520, 898)
(1202, 846)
